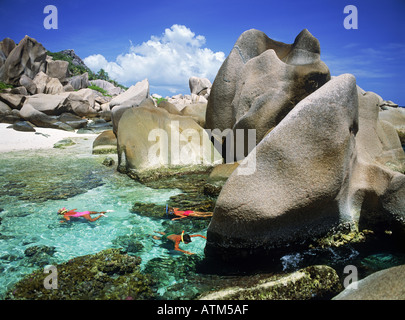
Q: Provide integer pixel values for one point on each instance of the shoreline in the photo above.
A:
(43, 138)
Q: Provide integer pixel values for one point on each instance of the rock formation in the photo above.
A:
(262, 80)
(151, 138)
(28, 57)
(130, 98)
(320, 168)
(199, 87)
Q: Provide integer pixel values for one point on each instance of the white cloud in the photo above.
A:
(167, 61)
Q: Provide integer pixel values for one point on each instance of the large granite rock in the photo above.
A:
(196, 111)
(81, 102)
(46, 84)
(40, 119)
(57, 69)
(262, 80)
(107, 86)
(28, 57)
(388, 284)
(50, 104)
(79, 82)
(150, 138)
(5, 112)
(6, 46)
(319, 169)
(28, 84)
(14, 101)
(199, 87)
(133, 96)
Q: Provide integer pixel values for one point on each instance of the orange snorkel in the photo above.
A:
(181, 236)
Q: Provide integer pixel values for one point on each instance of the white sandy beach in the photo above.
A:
(43, 138)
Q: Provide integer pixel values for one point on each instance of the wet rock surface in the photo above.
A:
(108, 274)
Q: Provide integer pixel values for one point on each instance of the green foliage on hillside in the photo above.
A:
(73, 69)
(159, 100)
(101, 90)
(5, 86)
(77, 70)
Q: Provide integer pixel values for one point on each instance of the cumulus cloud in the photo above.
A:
(167, 61)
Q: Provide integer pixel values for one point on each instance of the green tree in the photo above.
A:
(103, 75)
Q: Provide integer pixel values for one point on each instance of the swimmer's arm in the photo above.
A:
(197, 235)
(176, 247)
(67, 218)
(181, 217)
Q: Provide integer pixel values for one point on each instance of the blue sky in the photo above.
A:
(169, 41)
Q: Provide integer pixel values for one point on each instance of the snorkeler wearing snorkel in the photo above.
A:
(177, 238)
(85, 214)
(176, 214)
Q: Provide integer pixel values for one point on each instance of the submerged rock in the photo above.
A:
(26, 181)
(174, 276)
(64, 143)
(107, 275)
(39, 255)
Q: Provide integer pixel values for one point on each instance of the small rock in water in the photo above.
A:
(64, 143)
(108, 162)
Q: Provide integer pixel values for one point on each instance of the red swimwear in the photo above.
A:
(77, 214)
(187, 213)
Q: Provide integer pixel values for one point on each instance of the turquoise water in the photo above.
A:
(35, 185)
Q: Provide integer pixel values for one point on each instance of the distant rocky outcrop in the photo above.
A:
(6, 46)
(107, 86)
(42, 87)
(76, 60)
(27, 58)
(199, 87)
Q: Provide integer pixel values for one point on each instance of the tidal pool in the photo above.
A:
(35, 184)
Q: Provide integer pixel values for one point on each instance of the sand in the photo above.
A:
(43, 138)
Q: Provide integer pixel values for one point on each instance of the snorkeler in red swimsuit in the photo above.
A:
(189, 213)
(85, 214)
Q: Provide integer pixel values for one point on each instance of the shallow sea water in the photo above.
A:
(35, 184)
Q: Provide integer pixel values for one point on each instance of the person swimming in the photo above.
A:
(67, 215)
(177, 238)
(176, 214)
